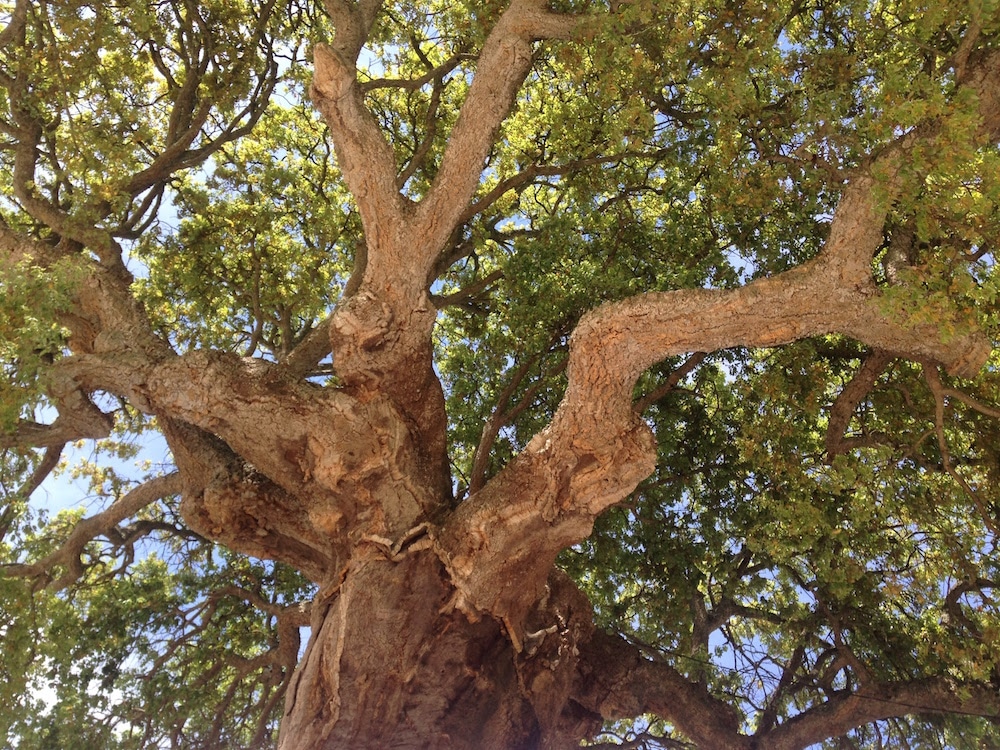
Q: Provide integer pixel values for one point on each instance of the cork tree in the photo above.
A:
(499, 375)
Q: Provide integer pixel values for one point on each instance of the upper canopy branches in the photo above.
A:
(104, 114)
(367, 159)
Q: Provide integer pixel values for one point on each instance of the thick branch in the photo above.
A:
(365, 158)
(617, 681)
(226, 500)
(353, 22)
(61, 431)
(843, 712)
(596, 449)
(331, 457)
(503, 64)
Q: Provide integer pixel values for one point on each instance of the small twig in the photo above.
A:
(675, 377)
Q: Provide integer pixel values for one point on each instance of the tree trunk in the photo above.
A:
(393, 663)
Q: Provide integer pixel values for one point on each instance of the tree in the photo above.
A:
(574, 372)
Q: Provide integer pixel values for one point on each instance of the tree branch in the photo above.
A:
(872, 366)
(365, 158)
(310, 350)
(596, 449)
(502, 415)
(530, 173)
(617, 681)
(937, 389)
(468, 292)
(45, 467)
(503, 64)
(845, 711)
(85, 531)
(686, 368)
(415, 84)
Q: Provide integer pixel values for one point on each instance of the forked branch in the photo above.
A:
(68, 555)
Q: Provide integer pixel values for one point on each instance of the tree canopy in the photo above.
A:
(561, 372)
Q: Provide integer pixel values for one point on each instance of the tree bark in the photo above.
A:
(394, 663)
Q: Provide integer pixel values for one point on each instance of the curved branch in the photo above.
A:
(872, 366)
(596, 449)
(88, 529)
(845, 711)
(297, 615)
(616, 681)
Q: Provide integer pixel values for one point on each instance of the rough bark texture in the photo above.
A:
(444, 627)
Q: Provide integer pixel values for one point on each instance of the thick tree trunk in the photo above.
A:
(393, 663)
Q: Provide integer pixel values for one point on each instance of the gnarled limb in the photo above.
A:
(299, 468)
(380, 335)
(596, 450)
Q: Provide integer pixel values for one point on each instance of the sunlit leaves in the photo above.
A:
(169, 649)
(115, 108)
(263, 246)
(31, 299)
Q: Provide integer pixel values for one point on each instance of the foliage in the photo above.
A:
(30, 333)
